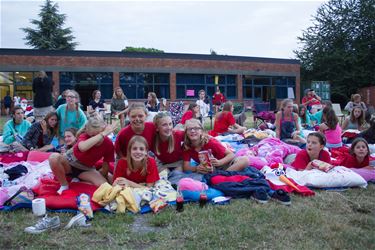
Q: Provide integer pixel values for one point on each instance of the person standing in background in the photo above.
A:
(42, 89)
(204, 108)
(218, 99)
(7, 103)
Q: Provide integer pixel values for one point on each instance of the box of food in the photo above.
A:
(204, 158)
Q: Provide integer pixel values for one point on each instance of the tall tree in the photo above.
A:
(49, 33)
(340, 45)
(142, 49)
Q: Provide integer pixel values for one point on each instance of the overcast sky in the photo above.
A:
(243, 28)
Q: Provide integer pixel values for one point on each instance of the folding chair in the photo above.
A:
(262, 114)
(176, 110)
(336, 107)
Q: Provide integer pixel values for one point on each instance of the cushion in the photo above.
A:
(37, 156)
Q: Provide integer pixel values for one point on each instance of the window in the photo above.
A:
(196, 82)
(138, 85)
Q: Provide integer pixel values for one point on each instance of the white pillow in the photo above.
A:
(336, 177)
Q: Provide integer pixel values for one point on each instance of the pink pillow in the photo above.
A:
(191, 185)
(38, 156)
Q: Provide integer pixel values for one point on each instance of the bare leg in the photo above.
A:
(240, 163)
(122, 120)
(60, 167)
(93, 177)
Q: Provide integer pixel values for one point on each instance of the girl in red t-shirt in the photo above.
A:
(168, 143)
(138, 167)
(359, 155)
(138, 126)
(93, 144)
(225, 122)
(196, 140)
(314, 151)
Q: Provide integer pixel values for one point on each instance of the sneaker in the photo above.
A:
(260, 196)
(44, 224)
(79, 220)
(282, 196)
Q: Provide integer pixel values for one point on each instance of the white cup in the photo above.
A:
(39, 207)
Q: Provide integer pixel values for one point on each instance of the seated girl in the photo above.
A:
(197, 140)
(40, 135)
(355, 102)
(15, 129)
(138, 167)
(331, 128)
(168, 143)
(191, 112)
(369, 134)
(304, 116)
(93, 145)
(70, 138)
(314, 151)
(356, 120)
(225, 122)
(287, 126)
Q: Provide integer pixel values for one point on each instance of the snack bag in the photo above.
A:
(321, 165)
(158, 204)
(204, 158)
(84, 206)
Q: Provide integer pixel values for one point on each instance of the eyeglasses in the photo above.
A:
(70, 96)
(193, 129)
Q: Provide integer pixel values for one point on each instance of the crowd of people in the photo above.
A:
(83, 137)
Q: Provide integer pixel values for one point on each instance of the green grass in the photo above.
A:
(328, 220)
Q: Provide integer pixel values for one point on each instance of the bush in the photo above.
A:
(339, 98)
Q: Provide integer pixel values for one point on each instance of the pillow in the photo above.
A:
(337, 177)
(38, 156)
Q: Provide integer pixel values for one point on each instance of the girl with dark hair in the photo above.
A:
(41, 134)
(152, 103)
(16, 128)
(70, 114)
(331, 128)
(356, 120)
(191, 112)
(96, 104)
(225, 122)
(303, 114)
(369, 134)
(314, 151)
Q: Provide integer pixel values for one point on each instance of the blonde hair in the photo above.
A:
(204, 137)
(94, 121)
(284, 103)
(137, 105)
(157, 118)
(122, 97)
(129, 159)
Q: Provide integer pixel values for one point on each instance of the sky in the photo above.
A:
(241, 28)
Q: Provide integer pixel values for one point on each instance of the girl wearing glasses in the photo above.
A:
(197, 140)
(168, 143)
(70, 114)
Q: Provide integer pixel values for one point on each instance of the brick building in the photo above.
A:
(170, 75)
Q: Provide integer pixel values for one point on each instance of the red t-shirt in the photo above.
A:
(187, 116)
(350, 161)
(223, 122)
(218, 99)
(303, 158)
(176, 155)
(127, 133)
(306, 99)
(217, 149)
(90, 157)
(151, 176)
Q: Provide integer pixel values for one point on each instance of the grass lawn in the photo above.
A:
(328, 220)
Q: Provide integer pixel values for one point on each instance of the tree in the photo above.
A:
(340, 45)
(142, 49)
(213, 52)
(49, 33)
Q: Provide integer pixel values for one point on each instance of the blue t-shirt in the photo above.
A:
(70, 118)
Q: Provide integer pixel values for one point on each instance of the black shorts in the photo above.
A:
(76, 172)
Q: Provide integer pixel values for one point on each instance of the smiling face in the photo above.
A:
(71, 98)
(138, 151)
(165, 127)
(193, 130)
(69, 138)
(360, 149)
(52, 121)
(313, 145)
(137, 119)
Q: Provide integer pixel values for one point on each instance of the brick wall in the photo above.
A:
(368, 95)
